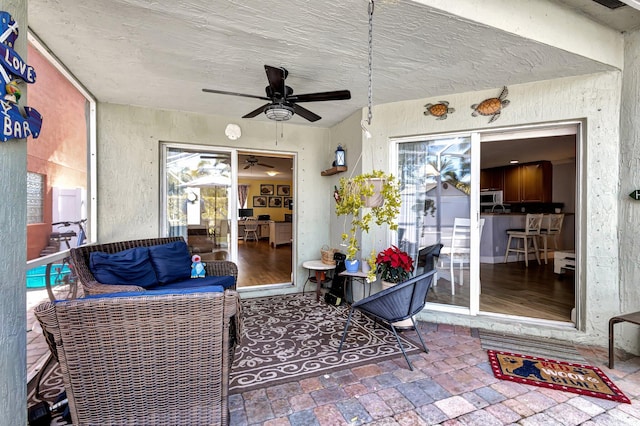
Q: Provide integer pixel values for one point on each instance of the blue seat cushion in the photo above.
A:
(222, 281)
(159, 291)
(127, 267)
(171, 261)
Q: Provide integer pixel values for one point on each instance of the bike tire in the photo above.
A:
(61, 282)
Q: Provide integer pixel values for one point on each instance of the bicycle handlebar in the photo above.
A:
(69, 223)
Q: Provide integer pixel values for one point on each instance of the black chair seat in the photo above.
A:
(397, 303)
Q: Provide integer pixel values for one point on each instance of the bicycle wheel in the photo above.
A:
(61, 282)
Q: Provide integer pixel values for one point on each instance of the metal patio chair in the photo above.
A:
(397, 303)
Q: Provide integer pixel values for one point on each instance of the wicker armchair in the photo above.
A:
(80, 258)
(152, 358)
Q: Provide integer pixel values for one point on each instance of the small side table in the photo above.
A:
(359, 276)
(633, 318)
(320, 270)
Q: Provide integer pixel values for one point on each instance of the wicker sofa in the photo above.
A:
(81, 258)
(151, 357)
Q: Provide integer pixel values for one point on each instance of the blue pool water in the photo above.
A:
(36, 276)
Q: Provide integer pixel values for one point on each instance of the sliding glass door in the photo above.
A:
(435, 178)
(197, 193)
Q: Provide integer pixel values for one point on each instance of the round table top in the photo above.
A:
(317, 265)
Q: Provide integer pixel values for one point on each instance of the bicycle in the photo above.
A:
(61, 281)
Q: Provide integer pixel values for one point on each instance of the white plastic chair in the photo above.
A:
(460, 248)
(529, 237)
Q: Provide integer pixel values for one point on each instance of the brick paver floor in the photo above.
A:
(451, 385)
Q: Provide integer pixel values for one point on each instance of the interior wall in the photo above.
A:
(276, 213)
(129, 169)
(571, 98)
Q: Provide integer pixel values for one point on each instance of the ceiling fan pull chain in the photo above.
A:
(370, 115)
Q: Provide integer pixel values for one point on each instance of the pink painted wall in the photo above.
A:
(60, 152)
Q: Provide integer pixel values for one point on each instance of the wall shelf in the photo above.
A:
(333, 171)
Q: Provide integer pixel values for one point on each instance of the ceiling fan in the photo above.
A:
(253, 161)
(282, 103)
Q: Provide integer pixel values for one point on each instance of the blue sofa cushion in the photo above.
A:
(159, 291)
(171, 261)
(222, 281)
(128, 267)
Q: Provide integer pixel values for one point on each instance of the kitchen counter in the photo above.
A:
(493, 242)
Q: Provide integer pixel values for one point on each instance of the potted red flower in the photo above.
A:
(394, 265)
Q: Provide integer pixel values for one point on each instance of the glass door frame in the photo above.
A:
(478, 136)
(474, 214)
(233, 190)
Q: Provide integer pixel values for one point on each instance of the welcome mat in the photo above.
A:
(577, 378)
(292, 337)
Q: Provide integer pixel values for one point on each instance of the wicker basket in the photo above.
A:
(326, 254)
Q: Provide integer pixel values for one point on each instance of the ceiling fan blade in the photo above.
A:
(222, 92)
(247, 166)
(265, 165)
(276, 77)
(305, 113)
(337, 95)
(256, 111)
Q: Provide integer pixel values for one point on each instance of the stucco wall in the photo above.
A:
(629, 217)
(595, 99)
(13, 320)
(129, 169)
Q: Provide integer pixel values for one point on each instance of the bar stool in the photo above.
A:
(553, 227)
(530, 234)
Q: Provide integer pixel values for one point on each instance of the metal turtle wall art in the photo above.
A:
(439, 110)
(491, 107)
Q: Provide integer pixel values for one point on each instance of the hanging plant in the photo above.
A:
(355, 193)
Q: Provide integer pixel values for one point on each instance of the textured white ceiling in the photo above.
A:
(161, 54)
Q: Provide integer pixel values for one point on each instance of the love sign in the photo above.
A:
(17, 122)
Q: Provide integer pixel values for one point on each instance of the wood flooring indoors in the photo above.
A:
(261, 264)
(513, 289)
(506, 288)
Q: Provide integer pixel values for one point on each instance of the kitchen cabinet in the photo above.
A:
(528, 183)
(492, 178)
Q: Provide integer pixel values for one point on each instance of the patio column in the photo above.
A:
(13, 252)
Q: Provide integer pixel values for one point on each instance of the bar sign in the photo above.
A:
(635, 194)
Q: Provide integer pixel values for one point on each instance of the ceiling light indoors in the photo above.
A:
(513, 162)
(272, 173)
(278, 112)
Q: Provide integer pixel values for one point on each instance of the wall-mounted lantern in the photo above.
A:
(340, 156)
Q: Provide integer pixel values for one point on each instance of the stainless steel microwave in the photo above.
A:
(490, 198)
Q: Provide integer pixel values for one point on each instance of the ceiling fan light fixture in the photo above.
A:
(278, 112)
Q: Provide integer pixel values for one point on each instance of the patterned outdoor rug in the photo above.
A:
(577, 378)
(293, 337)
(51, 386)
